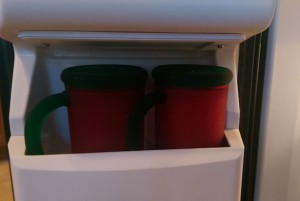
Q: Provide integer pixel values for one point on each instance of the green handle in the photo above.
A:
(136, 118)
(36, 118)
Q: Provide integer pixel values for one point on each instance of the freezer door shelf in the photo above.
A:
(209, 174)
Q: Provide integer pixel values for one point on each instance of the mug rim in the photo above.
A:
(192, 75)
(104, 76)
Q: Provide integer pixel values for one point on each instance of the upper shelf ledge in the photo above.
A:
(246, 17)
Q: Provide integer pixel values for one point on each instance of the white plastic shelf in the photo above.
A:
(207, 174)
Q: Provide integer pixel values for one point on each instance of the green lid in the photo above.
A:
(104, 77)
(186, 75)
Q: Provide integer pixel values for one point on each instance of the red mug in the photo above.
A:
(99, 99)
(190, 106)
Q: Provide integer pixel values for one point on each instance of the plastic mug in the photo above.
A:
(99, 99)
(190, 106)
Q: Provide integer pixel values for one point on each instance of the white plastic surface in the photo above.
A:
(211, 174)
(164, 16)
(278, 169)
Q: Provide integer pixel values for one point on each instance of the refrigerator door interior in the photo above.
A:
(50, 36)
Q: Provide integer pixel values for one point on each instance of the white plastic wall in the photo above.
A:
(278, 177)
